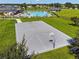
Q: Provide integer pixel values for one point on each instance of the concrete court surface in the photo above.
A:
(38, 36)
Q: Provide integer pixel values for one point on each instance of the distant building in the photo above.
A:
(55, 9)
(9, 8)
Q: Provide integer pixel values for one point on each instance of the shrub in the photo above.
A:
(75, 20)
(17, 51)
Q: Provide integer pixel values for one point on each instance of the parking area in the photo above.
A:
(40, 36)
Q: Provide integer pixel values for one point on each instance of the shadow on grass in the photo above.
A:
(74, 25)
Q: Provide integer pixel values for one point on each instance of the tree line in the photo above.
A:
(66, 5)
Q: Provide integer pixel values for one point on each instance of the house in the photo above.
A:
(55, 9)
(9, 8)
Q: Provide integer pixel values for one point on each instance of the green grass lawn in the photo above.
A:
(69, 13)
(61, 53)
(7, 34)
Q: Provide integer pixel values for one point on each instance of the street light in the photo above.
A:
(52, 40)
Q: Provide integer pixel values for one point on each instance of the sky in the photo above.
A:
(39, 1)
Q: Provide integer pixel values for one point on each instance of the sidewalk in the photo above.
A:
(18, 21)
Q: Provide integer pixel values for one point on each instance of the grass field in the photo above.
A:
(61, 53)
(7, 33)
(69, 13)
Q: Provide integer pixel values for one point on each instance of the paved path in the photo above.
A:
(37, 35)
(18, 20)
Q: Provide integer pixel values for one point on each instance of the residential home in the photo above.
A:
(9, 8)
(55, 9)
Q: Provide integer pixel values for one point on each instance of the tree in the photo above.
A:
(73, 6)
(68, 4)
(51, 5)
(24, 6)
(78, 6)
(57, 5)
